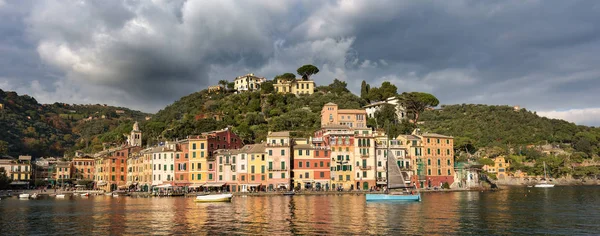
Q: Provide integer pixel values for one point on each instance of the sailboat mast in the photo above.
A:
(387, 163)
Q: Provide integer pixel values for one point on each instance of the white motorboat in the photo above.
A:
(60, 196)
(24, 195)
(214, 198)
(544, 183)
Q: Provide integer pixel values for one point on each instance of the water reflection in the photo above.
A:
(562, 210)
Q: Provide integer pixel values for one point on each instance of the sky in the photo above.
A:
(540, 55)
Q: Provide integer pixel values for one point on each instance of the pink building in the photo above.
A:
(278, 150)
(353, 118)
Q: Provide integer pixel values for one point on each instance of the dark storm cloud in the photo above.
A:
(541, 55)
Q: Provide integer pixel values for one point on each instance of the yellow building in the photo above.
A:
(438, 158)
(295, 87)
(500, 167)
(215, 89)
(198, 160)
(257, 167)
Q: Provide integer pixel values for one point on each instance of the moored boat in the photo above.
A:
(394, 197)
(214, 198)
(24, 195)
(290, 193)
(60, 196)
(395, 180)
(544, 183)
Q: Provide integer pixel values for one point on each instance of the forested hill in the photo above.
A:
(486, 126)
(252, 114)
(30, 128)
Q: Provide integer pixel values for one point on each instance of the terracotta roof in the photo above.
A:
(330, 103)
(279, 134)
(303, 146)
(253, 148)
(334, 126)
(412, 137)
(351, 111)
(435, 135)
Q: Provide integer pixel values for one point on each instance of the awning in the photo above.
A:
(379, 182)
(101, 183)
(195, 185)
(253, 185)
(19, 183)
(308, 181)
(213, 185)
(282, 185)
(164, 186)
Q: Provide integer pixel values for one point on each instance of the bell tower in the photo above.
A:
(135, 137)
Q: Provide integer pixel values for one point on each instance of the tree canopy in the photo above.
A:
(286, 76)
(416, 102)
(306, 71)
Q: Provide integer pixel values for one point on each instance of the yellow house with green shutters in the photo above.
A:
(198, 161)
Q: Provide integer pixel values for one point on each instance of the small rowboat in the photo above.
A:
(214, 198)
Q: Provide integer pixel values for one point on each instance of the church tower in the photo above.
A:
(135, 137)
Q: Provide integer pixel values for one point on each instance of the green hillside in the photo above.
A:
(27, 127)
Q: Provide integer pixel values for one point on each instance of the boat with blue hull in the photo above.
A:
(394, 197)
(395, 180)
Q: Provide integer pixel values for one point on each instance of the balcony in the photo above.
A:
(276, 170)
(277, 144)
(339, 132)
(364, 156)
(365, 167)
(319, 139)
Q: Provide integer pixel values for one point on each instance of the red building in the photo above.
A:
(115, 167)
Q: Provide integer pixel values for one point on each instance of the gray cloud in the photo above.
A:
(537, 54)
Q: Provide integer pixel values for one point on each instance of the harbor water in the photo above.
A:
(511, 211)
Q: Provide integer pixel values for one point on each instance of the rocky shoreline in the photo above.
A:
(558, 181)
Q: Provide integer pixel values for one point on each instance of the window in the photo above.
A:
(282, 152)
(171, 167)
(193, 146)
(448, 171)
(210, 166)
(347, 177)
(199, 176)
(449, 163)
(210, 176)
(220, 177)
(379, 163)
(270, 152)
(438, 140)
(428, 161)
(299, 152)
(243, 178)
(243, 167)
(262, 169)
(252, 177)
(202, 154)
(201, 145)
(177, 156)
(428, 140)
(299, 164)
(447, 141)
(439, 172)
(283, 165)
(283, 175)
(439, 162)
(322, 174)
(429, 172)
(233, 177)
(447, 151)
(321, 164)
(193, 154)
(307, 164)
(252, 169)
(364, 174)
(438, 151)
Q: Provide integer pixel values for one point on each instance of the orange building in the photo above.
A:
(83, 168)
(353, 118)
(182, 159)
(438, 155)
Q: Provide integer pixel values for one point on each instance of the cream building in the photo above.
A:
(248, 82)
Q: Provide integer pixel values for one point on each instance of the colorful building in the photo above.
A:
(500, 167)
(365, 171)
(202, 160)
(182, 159)
(82, 168)
(413, 147)
(438, 155)
(297, 86)
(163, 164)
(311, 165)
(278, 148)
(353, 118)
(340, 139)
(257, 172)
